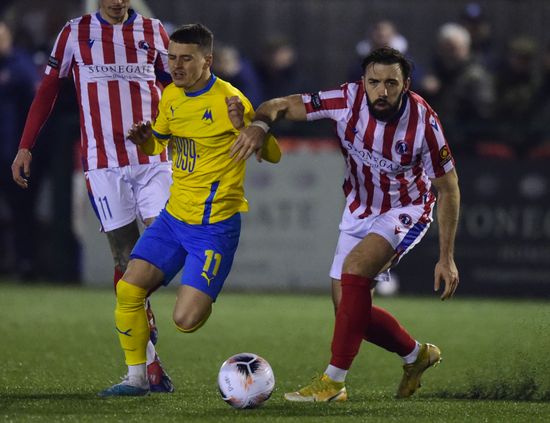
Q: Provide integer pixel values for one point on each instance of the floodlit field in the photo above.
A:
(59, 348)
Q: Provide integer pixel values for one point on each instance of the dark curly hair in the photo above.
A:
(388, 56)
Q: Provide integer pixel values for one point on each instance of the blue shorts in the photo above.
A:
(204, 251)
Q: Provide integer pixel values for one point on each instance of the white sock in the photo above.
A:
(151, 353)
(412, 356)
(137, 374)
(336, 374)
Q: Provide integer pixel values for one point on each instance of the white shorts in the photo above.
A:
(402, 227)
(121, 195)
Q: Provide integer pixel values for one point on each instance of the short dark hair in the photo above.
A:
(388, 56)
(194, 34)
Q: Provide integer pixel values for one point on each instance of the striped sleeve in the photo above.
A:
(61, 58)
(326, 104)
(436, 154)
(161, 62)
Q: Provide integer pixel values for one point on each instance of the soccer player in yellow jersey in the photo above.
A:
(200, 117)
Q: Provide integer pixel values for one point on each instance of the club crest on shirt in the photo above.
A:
(144, 45)
(405, 219)
(444, 155)
(401, 147)
(207, 116)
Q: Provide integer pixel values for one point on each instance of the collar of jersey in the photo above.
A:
(205, 89)
(401, 109)
(131, 18)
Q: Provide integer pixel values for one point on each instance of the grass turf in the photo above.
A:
(59, 348)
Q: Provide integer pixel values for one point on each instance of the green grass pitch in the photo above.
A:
(59, 348)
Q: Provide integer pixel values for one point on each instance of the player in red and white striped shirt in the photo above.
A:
(394, 149)
(118, 61)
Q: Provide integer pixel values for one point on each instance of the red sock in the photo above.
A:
(352, 319)
(385, 331)
(117, 276)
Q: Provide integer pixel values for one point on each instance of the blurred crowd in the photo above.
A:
(493, 102)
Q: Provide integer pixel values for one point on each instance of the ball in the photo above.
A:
(245, 380)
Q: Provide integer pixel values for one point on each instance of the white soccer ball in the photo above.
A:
(246, 380)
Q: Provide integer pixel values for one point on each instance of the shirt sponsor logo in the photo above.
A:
(373, 159)
(120, 71)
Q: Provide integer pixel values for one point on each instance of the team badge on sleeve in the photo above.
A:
(53, 62)
(444, 155)
(316, 101)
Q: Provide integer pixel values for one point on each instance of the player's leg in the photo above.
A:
(360, 266)
(132, 326)
(192, 309)
(155, 259)
(113, 196)
(384, 329)
(151, 187)
(211, 249)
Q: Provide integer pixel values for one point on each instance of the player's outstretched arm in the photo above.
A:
(251, 138)
(22, 166)
(448, 204)
(140, 132)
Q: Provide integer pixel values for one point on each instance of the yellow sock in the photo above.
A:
(131, 322)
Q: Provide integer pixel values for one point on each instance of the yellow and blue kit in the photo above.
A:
(200, 226)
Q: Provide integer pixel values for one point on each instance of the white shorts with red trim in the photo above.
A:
(121, 195)
(402, 227)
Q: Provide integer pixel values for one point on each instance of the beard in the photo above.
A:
(386, 114)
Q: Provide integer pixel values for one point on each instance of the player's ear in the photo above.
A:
(208, 59)
(406, 85)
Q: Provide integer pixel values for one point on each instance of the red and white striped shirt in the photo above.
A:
(388, 164)
(116, 69)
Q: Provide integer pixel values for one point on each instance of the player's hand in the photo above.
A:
(446, 270)
(22, 166)
(249, 141)
(140, 132)
(235, 110)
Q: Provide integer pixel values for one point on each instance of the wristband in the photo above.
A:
(261, 124)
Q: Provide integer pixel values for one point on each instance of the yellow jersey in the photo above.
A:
(207, 183)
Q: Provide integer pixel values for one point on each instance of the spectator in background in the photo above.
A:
(460, 89)
(279, 75)
(277, 68)
(232, 67)
(516, 87)
(18, 78)
(474, 19)
(382, 34)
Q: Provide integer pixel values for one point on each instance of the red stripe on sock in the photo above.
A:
(117, 276)
(352, 319)
(385, 331)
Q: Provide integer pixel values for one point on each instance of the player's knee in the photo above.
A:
(129, 295)
(353, 265)
(189, 322)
